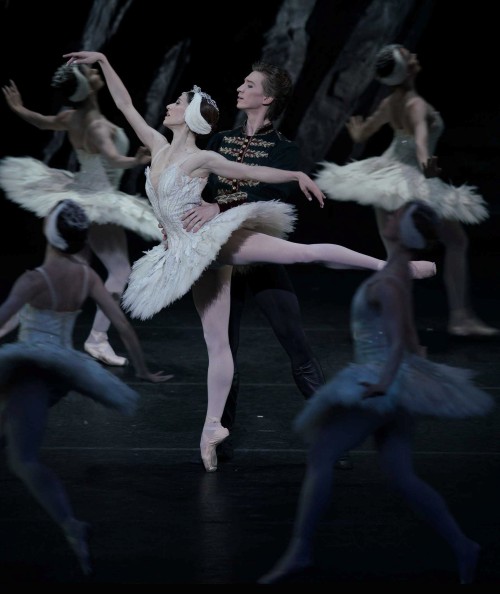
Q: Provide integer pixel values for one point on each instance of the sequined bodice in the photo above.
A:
(46, 326)
(370, 340)
(403, 148)
(95, 172)
(176, 193)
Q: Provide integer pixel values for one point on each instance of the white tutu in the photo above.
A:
(394, 178)
(38, 188)
(162, 275)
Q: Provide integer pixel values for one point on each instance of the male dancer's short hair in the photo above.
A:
(277, 84)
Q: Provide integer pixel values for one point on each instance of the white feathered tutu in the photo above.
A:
(164, 274)
(421, 387)
(38, 188)
(393, 178)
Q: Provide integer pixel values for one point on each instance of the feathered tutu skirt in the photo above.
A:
(38, 188)
(421, 387)
(387, 183)
(164, 275)
(67, 370)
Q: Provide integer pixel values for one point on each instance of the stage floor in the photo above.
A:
(158, 518)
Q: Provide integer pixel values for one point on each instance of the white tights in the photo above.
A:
(109, 244)
(455, 267)
(247, 247)
(211, 295)
(212, 298)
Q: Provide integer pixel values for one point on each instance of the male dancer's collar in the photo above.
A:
(264, 129)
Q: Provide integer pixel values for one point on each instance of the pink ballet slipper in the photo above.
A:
(213, 434)
(422, 269)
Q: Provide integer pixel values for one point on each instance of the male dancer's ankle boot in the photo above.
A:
(225, 451)
(229, 415)
(308, 377)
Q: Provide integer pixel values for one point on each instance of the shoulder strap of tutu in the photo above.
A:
(53, 294)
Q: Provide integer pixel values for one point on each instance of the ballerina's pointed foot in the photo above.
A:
(422, 269)
(471, 326)
(296, 562)
(284, 573)
(213, 434)
(76, 534)
(468, 563)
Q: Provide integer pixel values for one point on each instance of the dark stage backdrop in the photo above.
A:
(213, 44)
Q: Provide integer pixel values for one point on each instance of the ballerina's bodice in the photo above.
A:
(46, 326)
(38, 327)
(403, 146)
(95, 172)
(175, 194)
(370, 340)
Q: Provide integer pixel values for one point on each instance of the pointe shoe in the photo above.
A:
(98, 347)
(422, 269)
(76, 533)
(286, 574)
(213, 434)
(471, 327)
(468, 564)
(344, 463)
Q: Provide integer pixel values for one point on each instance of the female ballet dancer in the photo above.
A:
(408, 170)
(382, 393)
(42, 367)
(101, 149)
(244, 235)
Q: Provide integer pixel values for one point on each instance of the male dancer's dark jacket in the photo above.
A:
(269, 283)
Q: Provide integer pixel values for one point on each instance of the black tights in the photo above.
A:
(273, 291)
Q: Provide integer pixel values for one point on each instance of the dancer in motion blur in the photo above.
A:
(101, 149)
(382, 393)
(408, 170)
(42, 367)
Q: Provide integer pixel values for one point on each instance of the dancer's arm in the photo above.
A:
(284, 155)
(39, 120)
(10, 325)
(23, 290)
(211, 162)
(121, 96)
(99, 138)
(361, 129)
